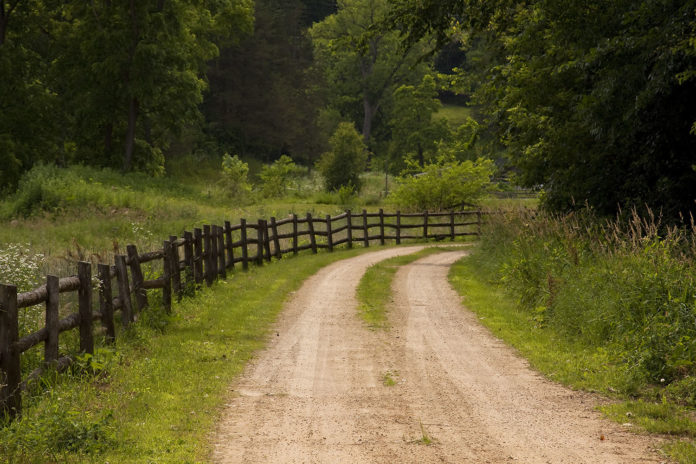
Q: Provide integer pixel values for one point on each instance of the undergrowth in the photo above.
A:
(602, 305)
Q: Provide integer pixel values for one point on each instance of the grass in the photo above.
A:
(83, 213)
(159, 392)
(664, 418)
(374, 290)
(455, 114)
(389, 378)
(425, 438)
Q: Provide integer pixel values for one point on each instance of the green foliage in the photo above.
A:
(57, 431)
(626, 288)
(115, 85)
(260, 100)
(235, 177)
(590, 98)
(362, 64)
(279, 176)
(414, 130)
(443, 184)
(342, 166)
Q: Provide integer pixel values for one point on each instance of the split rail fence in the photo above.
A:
(201, 256)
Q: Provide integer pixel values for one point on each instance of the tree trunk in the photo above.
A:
(3, 27)
(130, 134)
(369, 114)
(4, 16)
(108, 139)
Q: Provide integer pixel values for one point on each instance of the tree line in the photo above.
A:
(589, 101)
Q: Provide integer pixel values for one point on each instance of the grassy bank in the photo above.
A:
(59, 216)
(604, 307)
(156, 396)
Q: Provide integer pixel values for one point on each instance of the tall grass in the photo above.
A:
(627, 288)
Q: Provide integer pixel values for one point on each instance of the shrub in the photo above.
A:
(277, 177)
(443, 184)
(623, 287)
(235, 177)
(347, 159)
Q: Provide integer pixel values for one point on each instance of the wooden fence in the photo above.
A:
(201, 256)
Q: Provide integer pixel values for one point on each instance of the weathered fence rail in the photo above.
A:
(201, 255)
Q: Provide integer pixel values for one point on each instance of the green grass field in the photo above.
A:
(456, 115)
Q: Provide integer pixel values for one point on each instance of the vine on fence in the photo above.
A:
(202, 255)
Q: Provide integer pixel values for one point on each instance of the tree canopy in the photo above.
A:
(592, 99)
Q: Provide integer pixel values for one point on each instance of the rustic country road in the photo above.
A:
(317, 393)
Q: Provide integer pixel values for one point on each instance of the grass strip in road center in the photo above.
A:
(374, 290)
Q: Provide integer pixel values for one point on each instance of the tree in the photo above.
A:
(277, 177)
(362, 65)
(343, 164)
(234, 179)
(146, 70)
(259, 101)
(414, 131)
(590, 98)
(29, 130)
(445, 183)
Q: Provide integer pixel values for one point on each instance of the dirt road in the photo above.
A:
(436, 387)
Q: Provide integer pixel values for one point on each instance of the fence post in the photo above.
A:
(167, 275)
(312, 236)
(329, 234)
(245, 244)
(208, 255)
(294, 233)
(266, 241)
(84, 272)
(222, 265)
(10, 370)
(213, 253)
(398, 227)
(106, 303)
(175, 268)
(123, 290)
(276, 241)
(230, 246)
(137, 275)
(381, 226)
(197, 255)
(366, 239)
(52, 302)
(188, 261)
(349, 228)
(478, 220)
(452, 225)
(259, 242)
(425, 225)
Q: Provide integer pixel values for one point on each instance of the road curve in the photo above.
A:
(436, 387)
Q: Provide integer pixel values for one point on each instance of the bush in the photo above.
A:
(443, 184)
(627, 288)
(347, 159)
(235, 174)
(277, 177)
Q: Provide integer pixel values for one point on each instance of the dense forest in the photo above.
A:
(592, 102)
